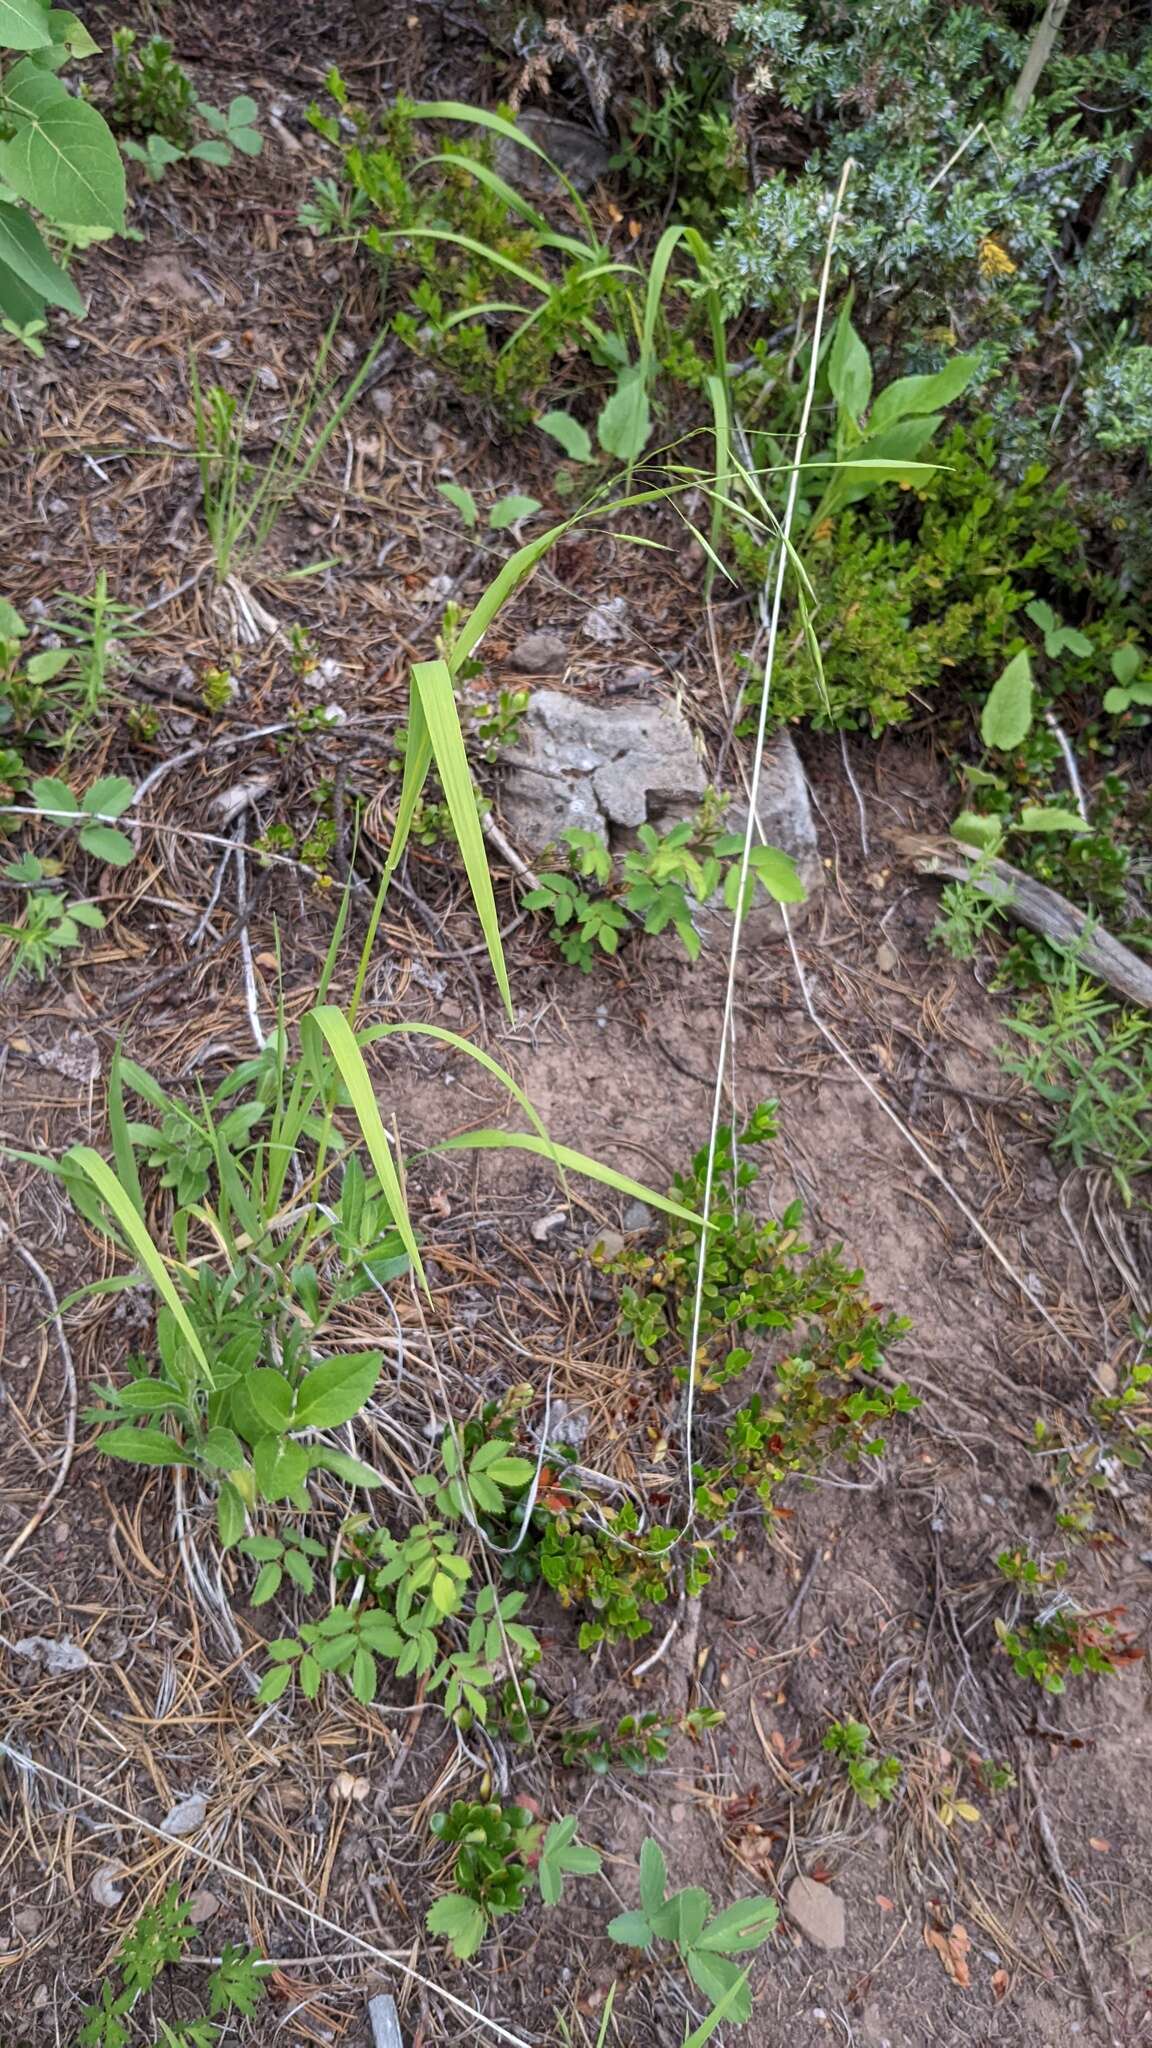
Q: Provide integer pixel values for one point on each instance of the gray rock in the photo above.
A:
(607, 623)
(597, 766)
(575, 150)
(540, 654)
(817, 1912)
(785, 815)
(637, 1216)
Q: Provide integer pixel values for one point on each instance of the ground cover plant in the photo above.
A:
(575, 1415)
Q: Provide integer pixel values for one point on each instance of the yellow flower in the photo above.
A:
(994, 259)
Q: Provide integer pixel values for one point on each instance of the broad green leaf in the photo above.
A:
(433, 680)
(336, 1391)
(625, 421)
(630, 1928)
(1049, 818)
(337, 1032)
(67, 29)
(573, 438)
(508, 510)
(979, 829)
(1126, 662)
(653, 1876)
(281, 1467)
(229, 1515)
(18, 302)
(62, 157)
(110, 1191)
(849, 369)
(364, 1677)
(777, 871)
(24, 25)
(1117, 700)
(1007, 714)
(564, 1156)
(143, 1447)
(107, 843)
(741, 1926)
(269, 1395)
(273, 1684)
(344, 1467)
(22, 250)
(50, 794)
(268, 1582)
(12, 626)
(910, 395)
(222, 1448)
(465, 503)
(41, 668)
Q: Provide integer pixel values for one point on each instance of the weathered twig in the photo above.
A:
(1067, 1898)
(63, 1468)
(1033, 904)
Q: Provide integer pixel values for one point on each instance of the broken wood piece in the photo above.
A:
(384, 2021)
(1042, 910)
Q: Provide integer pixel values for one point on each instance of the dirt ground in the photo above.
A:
(1030, 1923)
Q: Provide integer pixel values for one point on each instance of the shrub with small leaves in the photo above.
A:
(1065, 1643)
(705, 1945)
(288, 1556)
(501, 1849)
(872, 1778)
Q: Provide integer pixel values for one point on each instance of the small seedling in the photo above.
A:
(872, 1778)
(1065, 1643)
(1133, 684)
(506, 512)
(290, 1555)
(89, 815)
(703, 1944)
(500, 1850)
(636, 1741)
(162, 1935)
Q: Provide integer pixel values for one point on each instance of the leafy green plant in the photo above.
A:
(1065, 1643)
(616, 1569)
(163, 1934)
(1020, 1568)
(636, 1741)
(507, 511)
(1133, 685)
(655, 885)
(90, 815)
(52, 925)
(872, 1778)
(500, 1849)
(288, 1556)
(153, 98)
(1091, 1061)
(58, 161)
(703, 1943)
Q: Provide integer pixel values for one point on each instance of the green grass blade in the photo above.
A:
(515, 202)
(433, 680)
(494, 256)
(657, 279)
(497, 124)
(119, 1201)
(123, 1150)
(574, 1162)
(334, 1027)
(474, 1052)
(707, 2028)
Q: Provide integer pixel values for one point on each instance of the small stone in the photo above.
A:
(577, 763)
(609, 1244)
(817, 1912)
(28, 1921)
(637, 1216)
(540, 653)
(106, 1889)
(575, 150)
(57, 1658)
(607, 623)
(186, 1816)
(201, 1907)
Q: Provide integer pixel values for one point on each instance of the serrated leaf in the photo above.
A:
(107, 843)
(632, 1929)
(108, 797)
(716, 1979)
(461, 1922)
(299, 1571)
(50, 794)
(573, 438)
(1007, 714)
(273, 1684)
(334, 1392)
(364, 1677)
(62, 157)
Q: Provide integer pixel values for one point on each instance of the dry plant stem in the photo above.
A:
(911, 1139)
(65, 1465)
(728, 1024)
(266, 1891)
(1067, 1900)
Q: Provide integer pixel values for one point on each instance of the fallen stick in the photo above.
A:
(384, 2021)
(1042, 910)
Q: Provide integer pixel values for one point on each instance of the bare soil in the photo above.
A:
(872, 1597)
